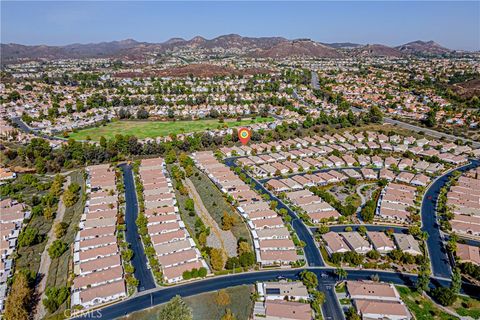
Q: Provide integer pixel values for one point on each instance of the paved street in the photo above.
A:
(437, 252)
(314, 81)
(164, 294)
(312, 254)
(139, 260)
(326, 275)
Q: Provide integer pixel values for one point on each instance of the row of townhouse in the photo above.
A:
(448, 152)
(286, 300)
(396, 202)
(313, 158)
(377, 300)
(175, 249)
(11, 222)
(342, 242)
(271, 238)
(464, 200)
(98, 269)
(316, 209)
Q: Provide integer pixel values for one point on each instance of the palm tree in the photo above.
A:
(341, 273)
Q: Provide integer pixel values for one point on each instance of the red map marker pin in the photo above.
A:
(244, 135)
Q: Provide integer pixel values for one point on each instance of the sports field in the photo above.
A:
(153, 129)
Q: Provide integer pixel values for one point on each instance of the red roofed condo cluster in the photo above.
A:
(175, 249)
(272, 304)
(11, 222)
(272, 242)
(98, 269)
(464, 200)
(396, 202)
(312, 205)
(374, 300)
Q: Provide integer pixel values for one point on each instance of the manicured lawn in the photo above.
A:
(422, 308)
(152, 129)
(204, 306)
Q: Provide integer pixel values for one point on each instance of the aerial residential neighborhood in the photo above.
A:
(240, 160)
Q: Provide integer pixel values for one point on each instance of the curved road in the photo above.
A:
(438, 254)
(162, 295)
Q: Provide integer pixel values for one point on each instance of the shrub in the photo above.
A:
(57, 248)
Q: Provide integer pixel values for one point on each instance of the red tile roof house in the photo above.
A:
(369, 309)
(372, 290)
(464, 224)
(99, 294)
(356, 242)
(381, 242)
(467, 253)
(276, 185)
(377, 300)
(286, 310)
(334, 243)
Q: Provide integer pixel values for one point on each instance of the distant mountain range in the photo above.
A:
(263, 47)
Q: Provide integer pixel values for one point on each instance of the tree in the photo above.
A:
(456, 284)
(341, 273)
(228, 220)
(217, 259)
(60, 229)
(444, 295)
(323, 229)
(243, 247)
(228, 315)
(351, 314)
(189, 205)
(202, 272)
(309, 279)
(431, 119)
(69, 198)
(423, 280)
(176, 309)
(18, 301)
(55, 298)
(373, 254)
(57, 248)
(28, 237)
(247, 259)
(142, 113)
(49, 212)
(375, 115)
(222, 298)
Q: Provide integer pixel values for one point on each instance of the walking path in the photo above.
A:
(218, 238)
(45, 260)
(363, 200)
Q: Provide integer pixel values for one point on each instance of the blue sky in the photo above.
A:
(452, 24)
